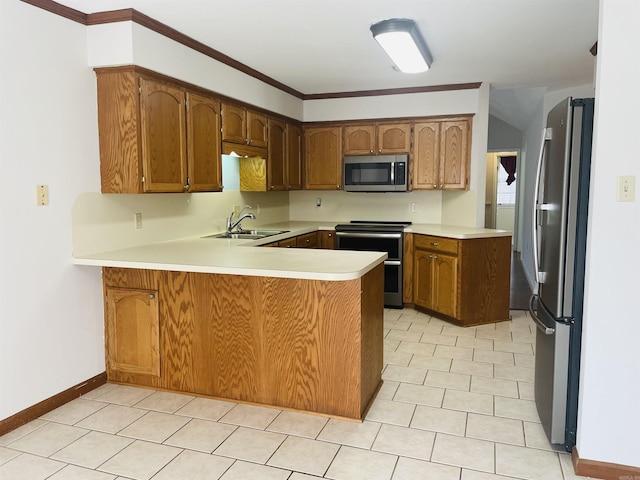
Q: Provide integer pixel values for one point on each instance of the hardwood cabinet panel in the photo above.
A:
(323, 158)
(253, 174)
(256, 129)
(162, 121)
(426, 156)
(466, 281)
(294, 157)
(455, 144)
(360, 140)
(308, 240)
(277, 156)
(133, 331)
(234, 124)
(394, 138)
(442, 154)
(203, 139)
(151, 140)
(327, 239)
(288, 243)
(303, 344)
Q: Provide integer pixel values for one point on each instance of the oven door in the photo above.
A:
(374, 242)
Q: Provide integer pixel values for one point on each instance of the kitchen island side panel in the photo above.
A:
(310, 345)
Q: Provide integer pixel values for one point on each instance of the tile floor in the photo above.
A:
(456, 404)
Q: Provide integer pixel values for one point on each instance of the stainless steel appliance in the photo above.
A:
(376, 173)
(378, 237)
(559, 244)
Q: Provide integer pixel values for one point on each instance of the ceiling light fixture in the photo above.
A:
(402, 41)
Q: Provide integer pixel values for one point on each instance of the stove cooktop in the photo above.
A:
(372, 226)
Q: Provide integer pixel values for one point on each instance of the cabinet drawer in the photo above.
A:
(308, 240)
(438, 244)
(287, 243)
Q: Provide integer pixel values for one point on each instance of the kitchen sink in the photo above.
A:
(248, 234)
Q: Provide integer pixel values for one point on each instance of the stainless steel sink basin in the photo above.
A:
(248, 234)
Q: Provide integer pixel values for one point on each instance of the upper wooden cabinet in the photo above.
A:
(372, 139)
(277, 155)
(243, 126)
(323, 158)
(145, 145)
(442, 154)
(294, 156)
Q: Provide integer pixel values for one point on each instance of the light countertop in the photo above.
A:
(240, 257)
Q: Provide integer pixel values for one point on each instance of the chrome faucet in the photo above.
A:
(231, 224)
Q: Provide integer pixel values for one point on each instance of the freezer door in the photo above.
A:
(553, 208)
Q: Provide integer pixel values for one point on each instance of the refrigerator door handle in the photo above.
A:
(541, 326)
(546, 136)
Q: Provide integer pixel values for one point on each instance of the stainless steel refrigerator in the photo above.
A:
(559, 244)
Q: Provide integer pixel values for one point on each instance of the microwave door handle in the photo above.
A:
(393, 173)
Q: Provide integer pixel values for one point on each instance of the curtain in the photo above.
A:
(509, 165)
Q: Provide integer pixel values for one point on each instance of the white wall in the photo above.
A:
(609, 417)
(51, 327)
(502, 136)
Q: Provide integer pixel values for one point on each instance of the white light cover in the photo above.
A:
(403, 51)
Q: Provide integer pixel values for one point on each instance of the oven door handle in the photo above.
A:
(369, 235)
(395, 263)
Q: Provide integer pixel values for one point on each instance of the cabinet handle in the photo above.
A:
(338, 187)
(435, 244)
(271, 187)
(152, 296)
(435, 186)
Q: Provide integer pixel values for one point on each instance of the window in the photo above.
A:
(506, 193)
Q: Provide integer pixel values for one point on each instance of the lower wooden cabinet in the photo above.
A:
(132, 331)
(464, 281)
(311, 345)
(327, 239)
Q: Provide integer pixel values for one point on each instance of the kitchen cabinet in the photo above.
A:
(377, 138)
(243, 126)
(465, 281)
(327, 239)
(277, 155)
(307, 240)
(155, 135)
(291, 351)
(323, 158)
(132, 331)
(442, 154)
(294, 156)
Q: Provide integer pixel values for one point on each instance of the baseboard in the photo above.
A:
(604, 470)
(51, 403)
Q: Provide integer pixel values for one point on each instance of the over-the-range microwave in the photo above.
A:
(375, 173)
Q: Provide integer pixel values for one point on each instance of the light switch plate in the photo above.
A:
(626, 188)
(42, 195)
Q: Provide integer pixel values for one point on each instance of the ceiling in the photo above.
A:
(325, 46)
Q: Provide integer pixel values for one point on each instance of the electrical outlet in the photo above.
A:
(42, 195)
(137, 220)
(626, 188)
(258, 205)
(318, 203)
(414, 207)
(236, 209)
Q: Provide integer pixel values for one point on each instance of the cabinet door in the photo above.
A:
(423, 279)
(287, 243)
(256, 129)
(276, 157)
(133, 331)
(327, 239)
(426, 156)
(454, 152)
(360, 140)
(394, 138)
(445, 284)
(323, 158)
(234, 124)
(294, 157)
(203, 141)
(163, 135)
(308, 240)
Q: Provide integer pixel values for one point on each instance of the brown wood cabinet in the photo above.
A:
(150, 138)
(243, 126)
(377, 138)
(327, 239)
(132, 331)
(249, 339)
(465, 281)
(323, 158)
(294, 157)
(442, 154)
(277, 155)
(307, 240)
